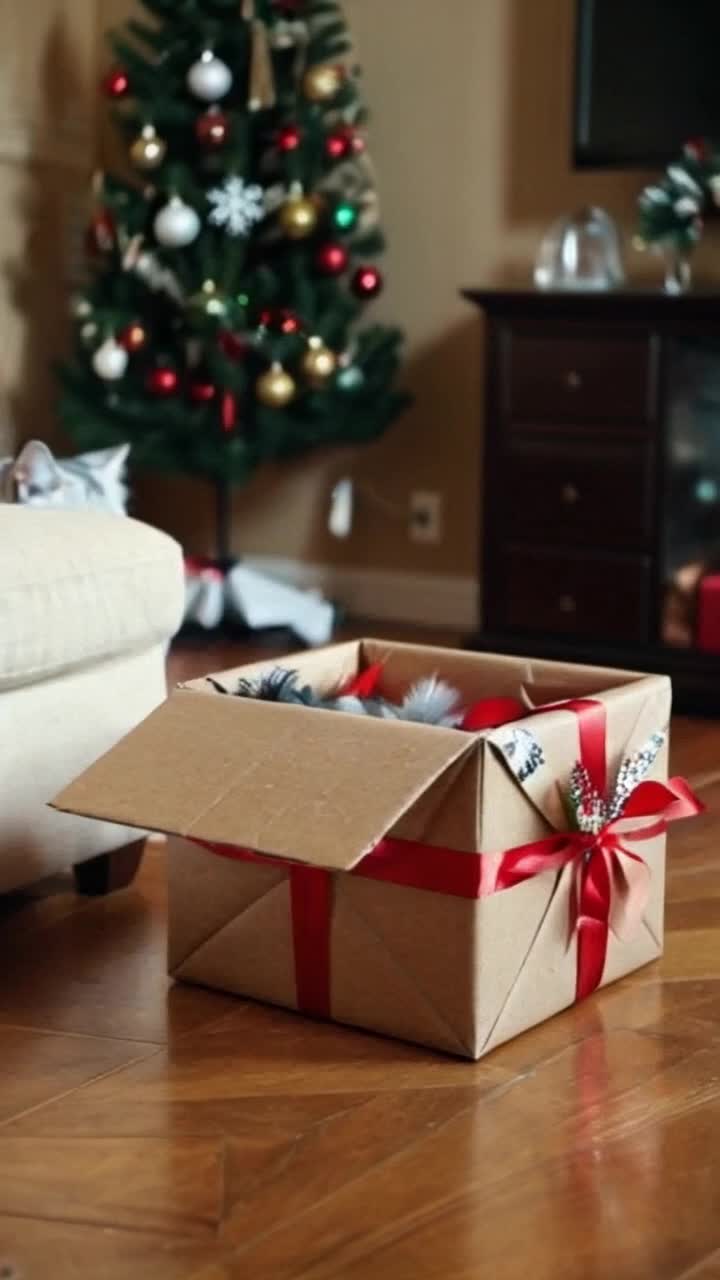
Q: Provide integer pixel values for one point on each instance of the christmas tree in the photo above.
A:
(228, 273)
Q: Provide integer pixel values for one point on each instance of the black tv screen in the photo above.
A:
(648, 78)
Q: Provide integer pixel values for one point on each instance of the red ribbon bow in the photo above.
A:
(599, 867)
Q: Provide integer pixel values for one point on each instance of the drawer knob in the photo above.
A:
(573, 380)
(570, 494)
(567, 604)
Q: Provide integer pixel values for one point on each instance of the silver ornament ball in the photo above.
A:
(210, 79)
(110, 361)
(177, 225)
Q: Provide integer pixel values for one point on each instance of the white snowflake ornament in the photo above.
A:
(238, 205)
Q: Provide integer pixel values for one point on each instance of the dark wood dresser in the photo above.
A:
(601, 480)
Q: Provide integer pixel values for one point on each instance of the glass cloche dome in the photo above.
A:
(581, 253)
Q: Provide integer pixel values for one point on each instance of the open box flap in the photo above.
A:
(313, 786)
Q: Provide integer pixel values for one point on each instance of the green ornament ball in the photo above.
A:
(345, 216)
(351, 379)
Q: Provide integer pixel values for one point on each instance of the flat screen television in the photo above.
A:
(647, 79)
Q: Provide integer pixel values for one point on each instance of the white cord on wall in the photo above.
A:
(344, 501)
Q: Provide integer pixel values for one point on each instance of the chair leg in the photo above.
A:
(110, 871)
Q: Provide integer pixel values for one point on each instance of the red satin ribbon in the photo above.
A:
(592, 730)
(311, 912)
(598, 861)
(492, 713)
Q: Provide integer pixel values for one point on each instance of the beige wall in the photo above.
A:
(47, 125)
(471, 102)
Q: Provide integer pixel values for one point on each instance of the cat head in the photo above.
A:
(94, 480)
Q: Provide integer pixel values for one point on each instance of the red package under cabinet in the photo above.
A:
(708, 617)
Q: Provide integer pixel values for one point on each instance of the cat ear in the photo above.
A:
(110, 461)
(102, 476)
(35, 472)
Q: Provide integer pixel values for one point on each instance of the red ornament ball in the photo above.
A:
(344, 142)
(202, 392)
(116, 83)
(367, 283)
(288, 138)
(338, 144)
(101, 234)
(281, 320)
(289, 322)
(332, 259)
(133, 338)
(162, 382)
(212, 129)
(233, 345)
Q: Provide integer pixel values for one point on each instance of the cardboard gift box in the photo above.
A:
(417, 881)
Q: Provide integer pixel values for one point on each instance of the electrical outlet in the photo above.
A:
(426, 516)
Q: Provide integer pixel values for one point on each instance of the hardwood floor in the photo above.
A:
(180, 1134)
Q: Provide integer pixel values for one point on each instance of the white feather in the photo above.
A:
(432, 701)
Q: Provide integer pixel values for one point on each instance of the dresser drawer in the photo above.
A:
(600, 597)
(594, 378)
(576, 490)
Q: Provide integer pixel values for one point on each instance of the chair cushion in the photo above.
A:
(78, 587)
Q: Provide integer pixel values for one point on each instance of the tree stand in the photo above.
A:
(227, 599)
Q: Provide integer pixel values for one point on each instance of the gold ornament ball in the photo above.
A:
(149, 150)
(276, 389)
(299, 217)
(321, 83)
(319, 363)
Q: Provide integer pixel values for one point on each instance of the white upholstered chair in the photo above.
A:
(88, 604)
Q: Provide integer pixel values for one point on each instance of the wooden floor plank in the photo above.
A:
(101, 971)
(143, 1184)
(37, 1067)
(35, 1249)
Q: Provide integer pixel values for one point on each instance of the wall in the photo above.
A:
(47, 131)
(471, 102)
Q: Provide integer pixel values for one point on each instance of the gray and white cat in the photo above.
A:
(36, 478)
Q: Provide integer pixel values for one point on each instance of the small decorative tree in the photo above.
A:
(673, 210)
(219, 327)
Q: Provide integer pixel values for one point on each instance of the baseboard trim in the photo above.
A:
(424, 599)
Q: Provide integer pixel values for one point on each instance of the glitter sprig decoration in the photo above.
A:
(633, 771)
(590, 810)
(587, 805)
